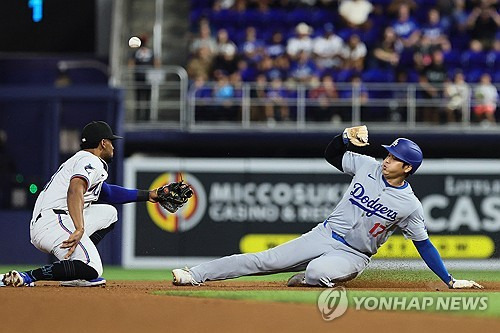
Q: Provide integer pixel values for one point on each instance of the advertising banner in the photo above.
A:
(250, 205)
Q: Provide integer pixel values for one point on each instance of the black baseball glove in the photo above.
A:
(174, 195)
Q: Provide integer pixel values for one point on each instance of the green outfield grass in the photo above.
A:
(311, 297)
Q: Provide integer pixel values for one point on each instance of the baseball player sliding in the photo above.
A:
(379, 200)
(68, 224)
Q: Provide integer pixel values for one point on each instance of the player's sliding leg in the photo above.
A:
(289, 257)
(338, 265)
(60, 271)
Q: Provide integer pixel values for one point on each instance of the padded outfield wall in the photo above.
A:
(249, 205)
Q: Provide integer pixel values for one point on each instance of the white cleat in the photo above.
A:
(183, 277)
(85, 283)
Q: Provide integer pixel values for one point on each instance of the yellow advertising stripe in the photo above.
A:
(449, 246)
(251, 243)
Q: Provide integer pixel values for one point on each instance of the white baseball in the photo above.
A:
(134, 42)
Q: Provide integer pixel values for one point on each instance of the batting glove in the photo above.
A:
(357, 135)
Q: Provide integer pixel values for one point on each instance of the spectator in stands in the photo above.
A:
(394, 6)
(457, 93)
(422, 56)
(354, 53)
(486, 98)
(258, 93)
(483, 23)
(226, 61)
(474, 59)
(301, 42)
(265, 65)
(303, 69)
(252, 48)
(281, 68)
(201, 91)
(431, 79)
(327, 49)
(360, 97)
(459, 16)
(223, 93)
(201, 63)
(434, 32)
(387, 52)
(141, 61)
(276, 46)
(399, 103)
(493, 57)
(323, 93)
(224, 44)
(406, 28)
(276, 106)
(355, 13)
(204, 39)
(246, 71)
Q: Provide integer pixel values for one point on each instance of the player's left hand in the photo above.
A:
(464, 284)
(173, 196)
(72, 242)
(357, 135)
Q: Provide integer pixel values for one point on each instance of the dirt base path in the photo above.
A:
(130, 307)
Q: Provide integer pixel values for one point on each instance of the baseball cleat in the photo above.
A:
(183, 277)
(16, 279)
(298, 280)
(100, 281)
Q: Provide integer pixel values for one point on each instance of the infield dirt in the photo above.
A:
(130, 306)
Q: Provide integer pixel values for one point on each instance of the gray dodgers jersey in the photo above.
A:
(84, 165)
(371, 209)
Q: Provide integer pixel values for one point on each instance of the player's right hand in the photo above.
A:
(357, 135)
(72, 242)
(465, 284)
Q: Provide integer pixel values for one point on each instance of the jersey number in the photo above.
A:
(377, 229)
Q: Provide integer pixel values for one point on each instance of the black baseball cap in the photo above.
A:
(94, 132)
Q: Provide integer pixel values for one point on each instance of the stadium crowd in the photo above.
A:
(441, 45)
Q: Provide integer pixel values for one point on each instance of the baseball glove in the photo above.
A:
(357, 135)
(174, 195)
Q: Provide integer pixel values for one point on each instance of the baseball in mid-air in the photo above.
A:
(134, 42)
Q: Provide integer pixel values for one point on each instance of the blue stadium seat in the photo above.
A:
(452, 59)
(473, 75)
(298, 15)
(223, 18)
(473, 60)
(378, 75)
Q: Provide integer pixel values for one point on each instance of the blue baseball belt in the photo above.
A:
(341, 239)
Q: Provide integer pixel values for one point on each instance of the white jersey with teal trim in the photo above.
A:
(371, 208)
(84, 165)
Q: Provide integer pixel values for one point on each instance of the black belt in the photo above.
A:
(56, 211)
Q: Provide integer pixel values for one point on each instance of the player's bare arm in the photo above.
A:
(76, 190)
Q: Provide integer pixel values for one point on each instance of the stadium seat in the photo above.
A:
(452, 59)
(378, 75)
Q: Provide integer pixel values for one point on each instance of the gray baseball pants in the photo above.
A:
(325, 260)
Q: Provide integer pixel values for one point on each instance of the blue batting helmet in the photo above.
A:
(406, 151)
